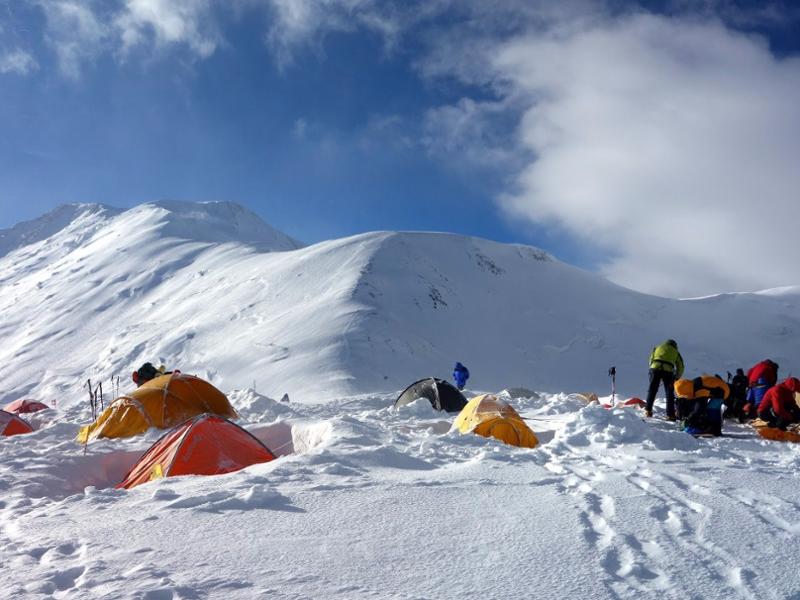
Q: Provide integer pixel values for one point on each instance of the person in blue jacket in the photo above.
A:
(460, 374)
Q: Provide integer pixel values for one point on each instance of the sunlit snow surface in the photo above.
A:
(364, 501)
(369, 502)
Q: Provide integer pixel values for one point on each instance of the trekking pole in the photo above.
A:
(612, 372)
(102, 405)
(91, 398)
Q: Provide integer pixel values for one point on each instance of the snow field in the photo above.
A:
(366, 501)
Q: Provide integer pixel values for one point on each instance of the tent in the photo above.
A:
(162, 402)
(519, 392)
(22, 407)
(203, 445)
(636, 402)
(442, 394)
(587, 397)
(11, 424)
(490, 416)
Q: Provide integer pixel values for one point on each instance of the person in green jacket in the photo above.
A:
(666, 365)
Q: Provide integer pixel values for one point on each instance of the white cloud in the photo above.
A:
(169, 22)
(17, 61)
(74, 32)
(672, 145)
(475, 133)
(300, 23)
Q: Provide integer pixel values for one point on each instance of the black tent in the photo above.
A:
(442, 394)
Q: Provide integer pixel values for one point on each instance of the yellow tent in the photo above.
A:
(588, 397)
(489, 416)
(162, 402)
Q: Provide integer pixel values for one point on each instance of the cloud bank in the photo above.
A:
(668, 143)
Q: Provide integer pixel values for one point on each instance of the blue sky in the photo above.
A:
(598, 131)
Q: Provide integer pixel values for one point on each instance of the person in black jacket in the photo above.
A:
(147, 372)
(738, 397)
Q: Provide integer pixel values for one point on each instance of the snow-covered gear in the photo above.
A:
(460, 375)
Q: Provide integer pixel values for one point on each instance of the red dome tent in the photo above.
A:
(24, 406)
(204, 445)
(11, 424)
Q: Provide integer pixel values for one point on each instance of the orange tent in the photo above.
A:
(11, 424)
(204, 445)
(162, 402)
(21, 407)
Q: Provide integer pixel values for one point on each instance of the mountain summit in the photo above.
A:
(90, 291)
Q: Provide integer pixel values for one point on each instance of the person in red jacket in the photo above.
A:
(760, 378)
(766, 371)
(778, 407)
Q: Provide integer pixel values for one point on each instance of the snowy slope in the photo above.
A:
(213, 290)
(365, 501)
(375, 503)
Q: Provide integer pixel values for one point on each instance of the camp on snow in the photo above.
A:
(203, 445)
(489, 416)
(162, 402)
(24, 406)
(442, 394)
(11, 424)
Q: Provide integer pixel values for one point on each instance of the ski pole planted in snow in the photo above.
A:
(612, 372)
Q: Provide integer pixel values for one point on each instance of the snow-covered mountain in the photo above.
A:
(90, 291)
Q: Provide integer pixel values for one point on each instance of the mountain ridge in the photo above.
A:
(363, 314)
